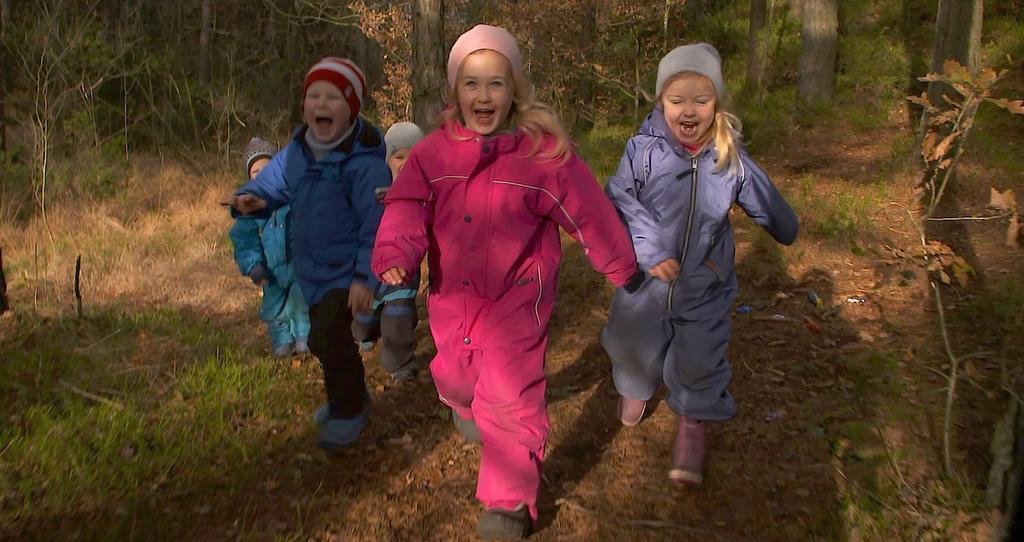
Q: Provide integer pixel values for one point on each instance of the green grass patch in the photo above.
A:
(602, 148)
(873, 373)
(839, 216)
(118, 411)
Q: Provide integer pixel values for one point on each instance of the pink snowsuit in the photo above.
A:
(489, 216)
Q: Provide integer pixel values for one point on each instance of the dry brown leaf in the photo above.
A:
(987, 78)
(1016, 106)
(944, 118)
(1003, 201)
(928, 144)
(943, 147)
(972, 371)
(955, 71)
(922, 101)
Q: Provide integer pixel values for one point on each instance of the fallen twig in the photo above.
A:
(963, 218)
(89, 395)
(951, 394)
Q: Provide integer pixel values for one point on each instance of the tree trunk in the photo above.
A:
(636, 75)
(428, 74)
(588, 31)
(796, 9)
(110, 15)
(757, 49)
(664, 25)
(204, 41)
(3, 285)
(5, 16)
(819, 37)
(1006, 473)
(957, 37)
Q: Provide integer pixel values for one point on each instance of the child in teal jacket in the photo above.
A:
(263, 253)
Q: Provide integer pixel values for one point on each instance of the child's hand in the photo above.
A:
(394, 276)
(244, 203)
(667, 270)
(258, 275)
(359, 297)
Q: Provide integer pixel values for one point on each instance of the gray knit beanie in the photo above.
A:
(256, 149)
(699, 58)
(401, 135)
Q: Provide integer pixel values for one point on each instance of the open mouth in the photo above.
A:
(483, 115)
(324, 123)
(688, 129)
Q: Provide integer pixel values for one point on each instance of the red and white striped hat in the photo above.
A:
(342, 73)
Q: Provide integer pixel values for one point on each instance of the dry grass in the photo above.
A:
(162, 241)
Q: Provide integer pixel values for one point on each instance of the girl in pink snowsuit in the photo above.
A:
(483, 196)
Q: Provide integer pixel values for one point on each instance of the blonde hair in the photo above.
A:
(534, 118)
(726, 130)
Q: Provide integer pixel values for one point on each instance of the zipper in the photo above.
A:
(540, 294)
(689, 226)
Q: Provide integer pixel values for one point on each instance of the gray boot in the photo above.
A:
(498, 524)
(467, 428)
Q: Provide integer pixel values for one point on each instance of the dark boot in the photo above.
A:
(467, 428)
(498, 524)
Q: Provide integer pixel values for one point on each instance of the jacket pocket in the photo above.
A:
(532, 282)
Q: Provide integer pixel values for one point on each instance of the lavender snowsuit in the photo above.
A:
(487, 217)
(675, 206)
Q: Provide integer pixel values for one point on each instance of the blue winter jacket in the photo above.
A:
(676, 206)
(264, 241)
(335, 204)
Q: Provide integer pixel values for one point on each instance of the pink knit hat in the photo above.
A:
(342, 73)
(479, 37)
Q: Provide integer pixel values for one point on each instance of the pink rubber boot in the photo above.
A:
(688, 455)
(631, 411)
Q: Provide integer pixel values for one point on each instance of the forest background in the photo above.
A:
(138, 399)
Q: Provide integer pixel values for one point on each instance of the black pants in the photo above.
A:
(330, 340)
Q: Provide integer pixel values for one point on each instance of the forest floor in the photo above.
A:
(160, 415)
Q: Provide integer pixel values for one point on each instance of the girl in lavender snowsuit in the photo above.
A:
(673, 188)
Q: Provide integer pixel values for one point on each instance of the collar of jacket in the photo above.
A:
(354, 141)
(654, 125)
(503, 142)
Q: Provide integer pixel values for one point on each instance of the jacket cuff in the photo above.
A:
(635, 282)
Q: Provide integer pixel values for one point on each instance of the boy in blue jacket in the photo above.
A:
(263, 253)
(330, 172)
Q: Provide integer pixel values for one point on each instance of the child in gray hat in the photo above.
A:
(261, 249)
(393, 317)
(674, 186)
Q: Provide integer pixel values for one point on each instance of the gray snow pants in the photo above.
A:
(683, 347)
